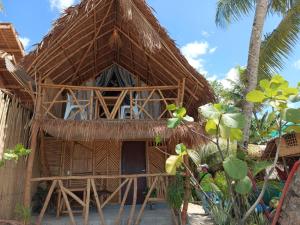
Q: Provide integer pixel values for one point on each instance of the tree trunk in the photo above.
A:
(253, 62)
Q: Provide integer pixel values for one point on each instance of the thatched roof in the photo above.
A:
(122, 130)
(11, 53)
(93, 35)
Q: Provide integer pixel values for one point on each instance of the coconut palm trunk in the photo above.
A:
(253, 62)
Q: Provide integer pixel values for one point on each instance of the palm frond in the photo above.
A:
(281, 6)
(231, 10)
(280, 43)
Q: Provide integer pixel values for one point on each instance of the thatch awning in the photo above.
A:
(121, 130)
(12, 79)
(95, 34)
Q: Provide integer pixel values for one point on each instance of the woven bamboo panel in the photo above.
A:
(156, 159)
(13, 130)
(53, 152)
(107, 161)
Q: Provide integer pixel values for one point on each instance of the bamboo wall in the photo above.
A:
(63, 158)
(14, 121)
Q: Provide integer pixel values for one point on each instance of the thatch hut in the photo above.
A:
(14, 122)
(104, 76)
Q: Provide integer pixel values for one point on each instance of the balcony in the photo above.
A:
(111, 103)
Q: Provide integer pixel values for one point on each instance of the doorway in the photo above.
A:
(134, 162)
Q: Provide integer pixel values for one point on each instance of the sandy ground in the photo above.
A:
(197, 216)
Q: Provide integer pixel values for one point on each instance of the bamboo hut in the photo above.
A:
(289, 146)
(104, 76)
(14, 123)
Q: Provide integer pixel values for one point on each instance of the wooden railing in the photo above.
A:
(157, 183)
(91, 103)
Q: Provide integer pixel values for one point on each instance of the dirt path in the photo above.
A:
(196, 216)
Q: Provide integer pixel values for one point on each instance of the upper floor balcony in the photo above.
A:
(112, 103)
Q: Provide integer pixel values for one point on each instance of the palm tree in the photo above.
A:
(267, 57)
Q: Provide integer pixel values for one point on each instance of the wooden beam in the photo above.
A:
(60, 37)
(87, 203)
(181, 88)
(41, 215)
(67, 203)
(33, 146)
(100, 212)
(95, 36)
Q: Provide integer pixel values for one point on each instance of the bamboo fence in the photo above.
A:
(14, 129)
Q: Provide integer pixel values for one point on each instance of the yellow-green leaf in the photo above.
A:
(172, 163)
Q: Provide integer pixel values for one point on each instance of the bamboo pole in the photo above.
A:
(87, 203)
(33, 147)
(100, 212)
(118, 219)
(39, 220)
(130, 219)
(67, 203)
(138, 219)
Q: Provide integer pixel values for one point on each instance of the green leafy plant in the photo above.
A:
(23, 213)
(14, 154)
(175, 192)
(224, 123)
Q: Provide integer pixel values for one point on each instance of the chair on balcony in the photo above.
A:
(124, 112)
(73, 108)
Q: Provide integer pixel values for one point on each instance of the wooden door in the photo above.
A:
(134, 162)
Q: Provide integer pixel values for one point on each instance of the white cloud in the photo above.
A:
(232, 75)
(297, 64)
(212, 50)
(194, 51)
(61, 4)
(205, 33)
(25, 42)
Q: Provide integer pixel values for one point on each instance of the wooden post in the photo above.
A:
(181, 87)
(33, 146)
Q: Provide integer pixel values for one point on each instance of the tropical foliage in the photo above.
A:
(224, 124)
(277, 45)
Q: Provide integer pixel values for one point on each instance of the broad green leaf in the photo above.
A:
(255, 96)
(233, 120)
(243, 186)
(235, 168)
(225, 132)
(181, 112)
(292, 115)
(277, 79)
(180, 149)
(209, 111)
(173, 122)
(188, 118)
(290, 91)
(264, 84)
(236, 134)
(171, 107)
(211, 127)
(260, 166)
(172, 163)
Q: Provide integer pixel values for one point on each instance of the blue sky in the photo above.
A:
(212, 50)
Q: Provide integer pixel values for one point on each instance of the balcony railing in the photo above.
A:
(92, 103)
(157, 185)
